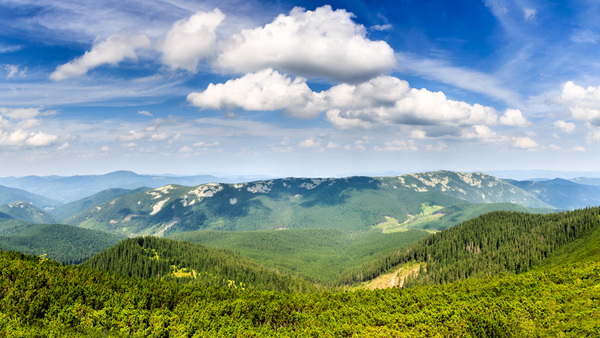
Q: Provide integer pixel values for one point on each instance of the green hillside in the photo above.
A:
(471, 187)
(318, 254)
(25, 212)
(352, 204)
(73, 208)
(9, 195)
(456, 214)
(498, 242)
(190, 263)
(43, 299)
(60, 242)
(584, 249)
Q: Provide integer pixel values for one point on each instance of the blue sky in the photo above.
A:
(298, 88)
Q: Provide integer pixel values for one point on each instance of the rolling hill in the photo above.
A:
(471, 187)
(25, 212)
(9, 195)
(73, 208)
(351, 204)
(497, 242)
(44, 298)
(63, 243)
(190, 263)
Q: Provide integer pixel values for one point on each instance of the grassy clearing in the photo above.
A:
(428, 214)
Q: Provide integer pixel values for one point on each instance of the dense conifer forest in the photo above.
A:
(63, 243)
(44, 298)
(502, 274)
(190, 263)
(497, 242)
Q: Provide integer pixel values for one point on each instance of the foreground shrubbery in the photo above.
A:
(43, 298)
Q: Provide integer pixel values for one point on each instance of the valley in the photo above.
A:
(344, 244)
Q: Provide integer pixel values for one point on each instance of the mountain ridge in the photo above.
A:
(351, 204)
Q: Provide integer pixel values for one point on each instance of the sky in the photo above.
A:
(304, 88)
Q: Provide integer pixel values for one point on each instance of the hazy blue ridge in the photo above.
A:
(24, 211)
(73, 208)
(9, 195)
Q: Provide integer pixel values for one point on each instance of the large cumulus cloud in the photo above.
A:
(384, 100)
(319, 43)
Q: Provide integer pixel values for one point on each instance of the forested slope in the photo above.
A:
(73, 208)
(190, 263)
(60, 242)
(318, 254)
(43, 298)
(25, 212)
(485, 246)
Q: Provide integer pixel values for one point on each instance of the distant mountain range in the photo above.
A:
(351, 204)
(562, 194)
(9, 195)
(72, 188)
(25, 212)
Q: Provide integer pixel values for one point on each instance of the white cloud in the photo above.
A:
(480, 132)
(310, 143)
(184, 150)
(131, 145)
(29, 123)
(529, 13)
(143, 112)
(264, 90)
(105, 148)
(64, 146)
(385, 99)
(555, 147)
(13, 70)
(160, 137)
(413, 107)
(21, 138)
(204, 144)
(132, 136)
(530, 133)
(381, 28)
(524, 143)
(285, 141)
(585, 36)
(113, 50)
(397, 145)
(593, 133)
(321, 43)
(579, 149)
(360, 145)
(23, 113)
(565, 127)
(418, 134)
(333, 145)
(580, 103)
(513, 118)
(190, 40)
(281, 149)
(9, 48)
(440, 147)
